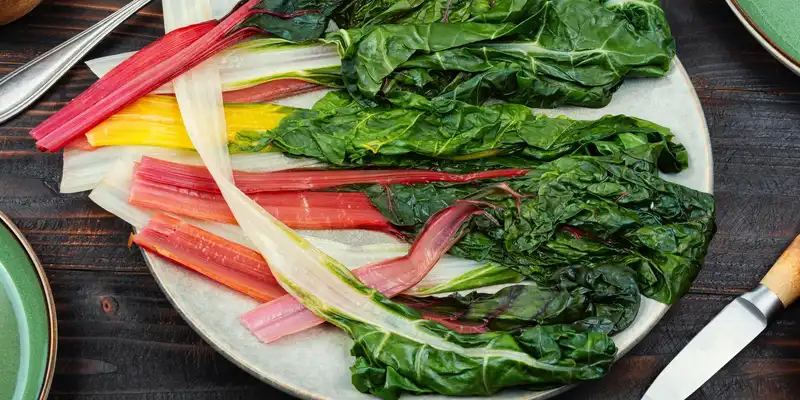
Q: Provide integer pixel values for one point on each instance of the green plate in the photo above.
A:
(27, 319)
(774, 24)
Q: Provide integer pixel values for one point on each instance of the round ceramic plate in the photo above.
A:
(27, 319)
(774, 24)
(315, 363)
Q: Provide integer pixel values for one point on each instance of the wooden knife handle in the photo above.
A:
(783, 278)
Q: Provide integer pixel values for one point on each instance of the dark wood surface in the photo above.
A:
(119, 338)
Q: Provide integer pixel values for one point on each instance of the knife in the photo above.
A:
(731, 330)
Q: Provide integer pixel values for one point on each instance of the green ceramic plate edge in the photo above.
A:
(773, 23)
(32, 318)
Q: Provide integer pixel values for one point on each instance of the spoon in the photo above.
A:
(21, 88)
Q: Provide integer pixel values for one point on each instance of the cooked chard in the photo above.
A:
(541, 53)
(395, 349)
(258, 61)
(183, 48)
(451, 135)
(574, 211)
(605, 298)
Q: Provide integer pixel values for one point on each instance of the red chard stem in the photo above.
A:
(147, 70)
(198, 178)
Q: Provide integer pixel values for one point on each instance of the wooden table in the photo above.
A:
(119, 338)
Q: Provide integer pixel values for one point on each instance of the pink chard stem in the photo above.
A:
(147, 70)
(285, 316)
(198, 178)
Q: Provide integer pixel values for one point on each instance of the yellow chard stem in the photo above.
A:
(156, 121)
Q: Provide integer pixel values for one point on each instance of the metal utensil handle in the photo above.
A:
(21, 88)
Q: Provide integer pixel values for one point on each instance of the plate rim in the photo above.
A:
(44, 283)
(219, 346)
(763, 39)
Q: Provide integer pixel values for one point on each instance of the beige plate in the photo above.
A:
(315, 364)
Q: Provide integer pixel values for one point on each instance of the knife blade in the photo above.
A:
(730, 331)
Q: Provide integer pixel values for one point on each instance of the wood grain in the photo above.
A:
(121, 339)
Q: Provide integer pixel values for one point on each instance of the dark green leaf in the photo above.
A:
(371, 54)
(575, 211)
(295, 20)
(453, 135)
(365, 13)
(605, 297)
(558, 51)
(388, 364)
(649, 20)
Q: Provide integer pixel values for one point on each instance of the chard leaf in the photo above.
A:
(295, 20)
(487, 275)
(559, 51)
(452, 135)
(574, 211)
(370, 54)
(605, 298)
(388, 363)
(649, 20)
(364, 13)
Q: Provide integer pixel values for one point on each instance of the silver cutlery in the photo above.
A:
(731, 330)
(21, 88)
